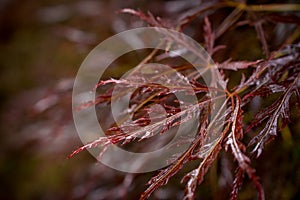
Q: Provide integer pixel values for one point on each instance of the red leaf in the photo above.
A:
(280, 108)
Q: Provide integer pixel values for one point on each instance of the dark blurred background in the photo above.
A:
(42, 44)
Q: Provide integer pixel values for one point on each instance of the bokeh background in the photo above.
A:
(42, 44)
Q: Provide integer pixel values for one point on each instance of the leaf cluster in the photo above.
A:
(276, 74)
